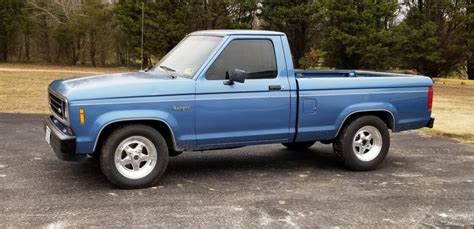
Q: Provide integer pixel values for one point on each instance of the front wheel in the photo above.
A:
(134, 156)
(363, 144)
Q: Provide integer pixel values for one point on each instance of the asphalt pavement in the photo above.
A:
(425, 182)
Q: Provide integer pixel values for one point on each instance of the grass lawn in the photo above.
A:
(23, 90)
(24, 86)
(453, 108)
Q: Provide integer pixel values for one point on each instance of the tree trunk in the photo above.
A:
(76, 51)
(470, 59)
(44, 40)
(421, 69)
(92, 50)
(5, 56)
(420, 5)
(4, 51)
(20, 49)
(145, 61)
(470, 69)
(27, 47)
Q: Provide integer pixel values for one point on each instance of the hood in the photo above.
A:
(121, 85)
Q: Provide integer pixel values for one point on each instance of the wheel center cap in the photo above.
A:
(136, 157)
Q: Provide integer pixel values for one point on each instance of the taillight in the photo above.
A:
(430, 98)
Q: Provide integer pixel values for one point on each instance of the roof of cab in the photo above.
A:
(235, 32)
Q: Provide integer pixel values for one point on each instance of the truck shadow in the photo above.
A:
(222, 161)
(225, 163)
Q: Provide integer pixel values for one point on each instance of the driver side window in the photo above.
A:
(255, 57)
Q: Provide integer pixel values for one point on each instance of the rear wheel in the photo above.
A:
(134, 156)
(363, 143)
(299, 145)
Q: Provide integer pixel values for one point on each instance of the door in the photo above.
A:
(256, 111)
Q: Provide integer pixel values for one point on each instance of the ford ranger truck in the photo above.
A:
(221, 89)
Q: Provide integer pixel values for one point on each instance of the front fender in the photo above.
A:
(126, 115)
(88, 135)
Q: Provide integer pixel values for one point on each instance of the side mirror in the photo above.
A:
(237, 76)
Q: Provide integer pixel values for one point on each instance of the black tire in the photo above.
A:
(299, 145)
(107, 156)
(344, 148)
(174, 153)
(337, 152)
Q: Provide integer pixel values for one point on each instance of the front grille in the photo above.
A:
(58, 106)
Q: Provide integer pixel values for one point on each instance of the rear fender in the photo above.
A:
(363, 108)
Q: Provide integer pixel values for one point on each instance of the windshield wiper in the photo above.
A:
(167, 68)
(169, 71)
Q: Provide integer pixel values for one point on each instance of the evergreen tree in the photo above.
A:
(357, 34)
(168, 21)
(434, 36)
(298, 19)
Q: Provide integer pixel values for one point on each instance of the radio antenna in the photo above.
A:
(143, 17)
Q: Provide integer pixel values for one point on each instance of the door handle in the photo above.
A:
(275, 88)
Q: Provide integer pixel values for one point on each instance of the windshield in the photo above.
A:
(189, 55)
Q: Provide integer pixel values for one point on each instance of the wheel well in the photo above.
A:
(386, 117)
(160, 126)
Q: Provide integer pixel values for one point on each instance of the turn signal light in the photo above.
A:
(82, 118)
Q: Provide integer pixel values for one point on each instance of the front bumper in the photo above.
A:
(430, 124)
(63, 145)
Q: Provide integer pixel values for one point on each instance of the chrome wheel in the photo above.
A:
(367, 143)
(135, 157)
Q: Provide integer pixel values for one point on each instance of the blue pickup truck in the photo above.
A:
(221, 89)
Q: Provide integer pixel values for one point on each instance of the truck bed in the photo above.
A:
(326, 98)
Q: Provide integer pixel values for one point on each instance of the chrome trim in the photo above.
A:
(360, 111)
(267, 141)
(57, 131)
(180, 100)
(360, 93)
(128, 102)
(66, 109)
(134, 119)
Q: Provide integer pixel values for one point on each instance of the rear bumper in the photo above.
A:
(430, 123)
(63, 145)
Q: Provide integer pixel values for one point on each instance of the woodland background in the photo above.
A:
(430, 37)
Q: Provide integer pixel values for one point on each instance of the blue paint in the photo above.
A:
(223, 116)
